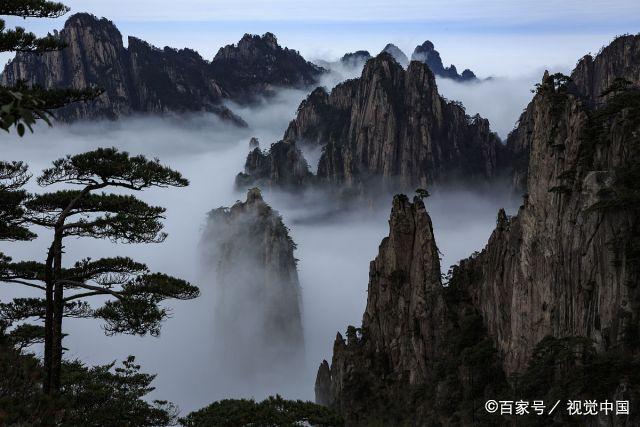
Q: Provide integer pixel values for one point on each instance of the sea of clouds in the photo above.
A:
(334, 251)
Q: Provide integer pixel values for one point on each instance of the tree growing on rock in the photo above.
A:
(422, 193)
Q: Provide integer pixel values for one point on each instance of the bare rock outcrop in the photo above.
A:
(258, 66)
(144, 79)
(283, 165)
(594, 75)
(391, 127)
(550, 308)
(427, 53)
(247, 248)
(356, 58)
(403, 365)
(563, 260)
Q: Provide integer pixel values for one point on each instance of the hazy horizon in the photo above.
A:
(500, 38)
(334, 255)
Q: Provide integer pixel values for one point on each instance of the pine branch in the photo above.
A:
(21, 282)
(83, 285)
(22, 105)
(33, 8)
(113, 167)
(20, 40)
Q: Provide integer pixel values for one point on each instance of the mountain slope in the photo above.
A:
(397, 54)
(257, 66)
(144, 79)
(247, 248)
(427, 53)
(392, 125)
(549, 309)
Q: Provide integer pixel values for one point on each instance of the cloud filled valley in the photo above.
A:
(333, 251)
(395, 235)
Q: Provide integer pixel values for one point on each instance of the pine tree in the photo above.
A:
(22, 105)
(134, 293)
(13, 176)
(273, 411)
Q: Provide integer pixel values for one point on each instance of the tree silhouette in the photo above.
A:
(133, 292)
(422, 193)
(273, 411)
(22, 105)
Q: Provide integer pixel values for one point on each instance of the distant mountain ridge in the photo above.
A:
(257, 65)
(355, 58)
(427, 53)
(549, 309)
(397, 54)
(142, 78)
(389, 126)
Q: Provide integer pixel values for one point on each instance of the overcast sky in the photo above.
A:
(491, 12)
(495, 37)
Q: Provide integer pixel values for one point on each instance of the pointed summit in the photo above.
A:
(397, 54)
(427, 53)
(257, 314)
(256, 65)
(355, 58)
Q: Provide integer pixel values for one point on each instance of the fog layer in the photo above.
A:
(334, 252)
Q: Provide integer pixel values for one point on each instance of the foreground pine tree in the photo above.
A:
(273, 411)
(22, 105)
(134, 293)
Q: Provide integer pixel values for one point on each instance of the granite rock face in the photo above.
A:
(355, 58)
(143, 79)
(398, 368)
(137, 79)
(562, 273)
(427, 53)
(258, 65)
(592, 76)
(249, 251)
(397, 54)
(392, 125)
(283, 166)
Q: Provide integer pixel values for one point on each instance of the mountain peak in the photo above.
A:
(379, 143)
(427, 46)
(397, 54)
(355, 58)
(87, 21)
(257, 64)
(427, 53)
(268, 40)
(86, 18)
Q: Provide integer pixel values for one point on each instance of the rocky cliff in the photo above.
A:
(549, 309)
(592, 76)
(283, 165)
(356, 58)
(397, 54)
(403, 366)
(427, 53)
(258, 65)
(144, 79)
(247, 248)
(392, 125)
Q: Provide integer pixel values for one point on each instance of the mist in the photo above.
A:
(499, 99)
(334, 251)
